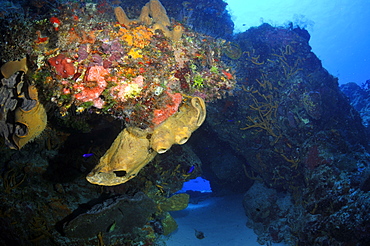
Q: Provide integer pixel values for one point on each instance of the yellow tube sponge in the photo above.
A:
(11, 67)
(144, 15)
(158, 13)
(121, 16)
(29, 122)
(177, 33)
(129, 153)
(178, 128)
(134, 148)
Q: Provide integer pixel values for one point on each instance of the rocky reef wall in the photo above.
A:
(298, 135)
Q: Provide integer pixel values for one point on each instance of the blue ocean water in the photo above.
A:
(340, 33)
(198, 184)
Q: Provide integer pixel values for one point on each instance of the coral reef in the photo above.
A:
(120, 85)
(131, 71)
(63, 195)
(161, 115)
(211, 18)
(142, 64)
(359, 99)
(295, 128)
(312, 104)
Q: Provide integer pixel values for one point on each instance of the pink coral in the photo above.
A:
(98, 103)
(139, 80)
(97, 73)
(63, 65)
(161, 115)
(119, 92)
(92, 86)
(124, 90)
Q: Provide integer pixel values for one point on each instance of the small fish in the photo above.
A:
(87, 155)
(191, 169)
(199, 234)
(112, 227)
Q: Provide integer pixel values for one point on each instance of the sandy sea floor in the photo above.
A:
(221, 219)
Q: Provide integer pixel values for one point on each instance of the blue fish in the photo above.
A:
(191, 169)
(87, 155)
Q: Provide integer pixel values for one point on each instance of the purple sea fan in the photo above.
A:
(116, 47)
(105, 47)
(96, 60)
(82, 52)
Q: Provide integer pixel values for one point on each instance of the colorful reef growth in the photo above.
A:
(139, 71)
(131, 69)
(86, 66)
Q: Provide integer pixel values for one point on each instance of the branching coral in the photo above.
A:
(266, 110)
(290, 67)
(232, 51)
